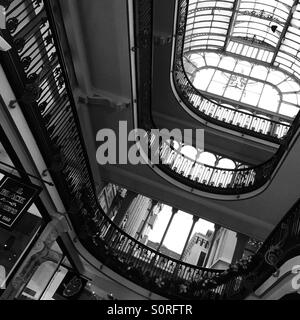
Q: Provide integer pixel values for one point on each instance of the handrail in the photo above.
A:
(206, 177)
(166, 145)
(282, 244)
(210, 110)
(210, 178)
(142, 264)
(216, 178)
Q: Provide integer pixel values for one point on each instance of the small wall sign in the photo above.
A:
(15, 198)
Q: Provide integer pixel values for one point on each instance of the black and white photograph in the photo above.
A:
(149, 155)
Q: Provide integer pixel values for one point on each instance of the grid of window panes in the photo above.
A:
(258, 53)
(260, 43)
(255, 86)
(288, 57)
(207, 24)
(271, 24)
(254, 20)
(274, 24)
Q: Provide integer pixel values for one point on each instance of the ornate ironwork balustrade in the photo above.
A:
(205, 177)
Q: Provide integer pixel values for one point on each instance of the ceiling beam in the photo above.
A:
(284, 31)
(232, 22)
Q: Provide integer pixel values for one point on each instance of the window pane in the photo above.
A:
(269, 99)
(288, 110)
(203, 78)
(250, 98)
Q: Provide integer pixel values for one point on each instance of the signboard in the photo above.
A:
(15, 198)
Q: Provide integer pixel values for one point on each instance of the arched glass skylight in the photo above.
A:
(239, 81)
(204, 157)
(245, 53)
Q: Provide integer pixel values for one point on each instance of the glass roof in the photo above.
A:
(240, 81)
(267, 31)
(246, 52)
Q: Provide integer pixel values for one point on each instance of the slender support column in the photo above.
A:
(195, 220)
(174, 211)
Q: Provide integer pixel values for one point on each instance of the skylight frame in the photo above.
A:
(210, 17)
(268, 79)
(275, 49)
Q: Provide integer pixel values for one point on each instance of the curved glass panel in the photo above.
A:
(205, 168)
(266, 31)
(241, 83)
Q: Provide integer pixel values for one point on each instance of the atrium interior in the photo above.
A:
(149, 149)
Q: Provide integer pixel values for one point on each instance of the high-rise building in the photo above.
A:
(197, 249)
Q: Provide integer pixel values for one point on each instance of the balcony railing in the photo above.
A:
(36, 69)
(206, 177)
(148, 268)
(281, 245)
(175, 279)
(261, 126)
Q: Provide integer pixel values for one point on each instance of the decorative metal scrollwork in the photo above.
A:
(26, 62)
(274, 254)
(12, 24)
(38, 3)
(48, 39)
(19, 44)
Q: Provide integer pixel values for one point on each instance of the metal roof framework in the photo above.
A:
(265, 33)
